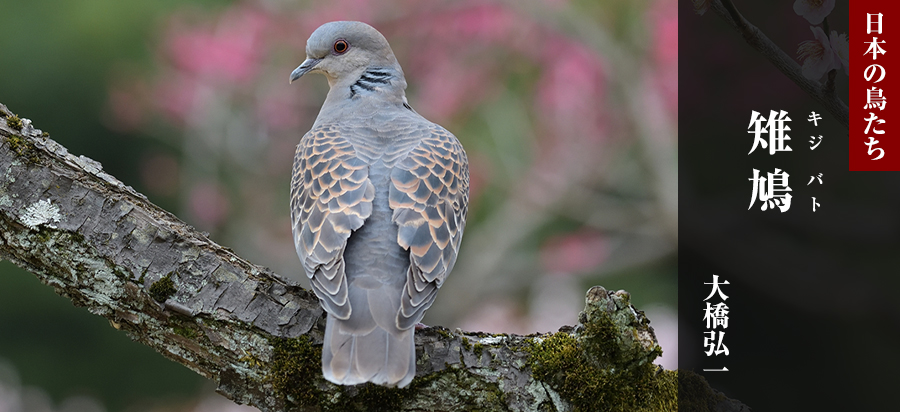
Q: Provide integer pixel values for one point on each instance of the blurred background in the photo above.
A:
(566, 109)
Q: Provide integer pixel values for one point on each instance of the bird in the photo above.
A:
(379, 197)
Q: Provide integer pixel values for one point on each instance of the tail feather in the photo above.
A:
(368, 354)
(377, 356)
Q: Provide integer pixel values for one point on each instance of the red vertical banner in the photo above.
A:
(874, 130)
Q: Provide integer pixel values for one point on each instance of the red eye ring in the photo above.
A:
(341, 46)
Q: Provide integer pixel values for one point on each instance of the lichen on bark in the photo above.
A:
(606, 362)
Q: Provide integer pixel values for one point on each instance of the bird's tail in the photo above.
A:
(352, 355)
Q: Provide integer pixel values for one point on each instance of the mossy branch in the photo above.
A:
(101, 244)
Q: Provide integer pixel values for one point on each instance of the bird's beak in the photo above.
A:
(304, 68)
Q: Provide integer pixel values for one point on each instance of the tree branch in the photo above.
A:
(823, 94)
(106, 247)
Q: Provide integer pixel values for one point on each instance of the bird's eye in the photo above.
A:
(341, 46)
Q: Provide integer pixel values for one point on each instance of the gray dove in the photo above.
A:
(378, 206)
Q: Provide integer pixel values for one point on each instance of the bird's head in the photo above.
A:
(342, 50)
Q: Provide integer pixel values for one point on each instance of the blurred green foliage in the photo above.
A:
(57, 58)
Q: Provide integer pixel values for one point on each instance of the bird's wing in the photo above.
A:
(429, 195)
(331, 196)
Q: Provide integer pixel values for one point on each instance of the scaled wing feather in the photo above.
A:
(429, 196)
(331, 196)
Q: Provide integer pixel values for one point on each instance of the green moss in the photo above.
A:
(184, 326)
(443, 332)
(162, 289)
(465, 343)
(60, 238)
(667, 387)
(121, 274)
(44, 234)
(23, 147)
(595, 371)
(143, 275)
(186, 332)
(478, 348)
(295, 373)
(469, 390)
(252, 361)
(473, 393)
(295, 369)
(14, 122)
(370, 397)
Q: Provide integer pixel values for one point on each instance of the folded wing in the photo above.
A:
(331, 196)
(429, 196)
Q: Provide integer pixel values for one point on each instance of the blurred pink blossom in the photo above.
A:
(228, 50)
(663, 18)
(453, 72)
(323, 12)
(176, 98)
(487, 22)
(449, 88)
(570, 105)
(279, 110)
(574, 253)
(572, 82)
(468, 23)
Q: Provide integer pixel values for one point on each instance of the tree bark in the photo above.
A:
(103, 245)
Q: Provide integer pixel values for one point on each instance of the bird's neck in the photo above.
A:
(380, 83)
